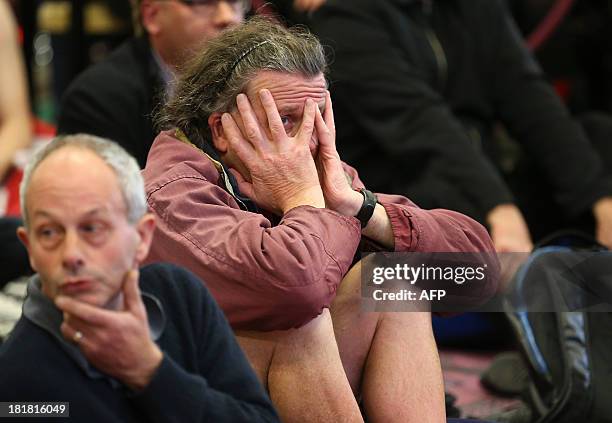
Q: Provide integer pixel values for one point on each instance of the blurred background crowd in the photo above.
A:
(60, 38)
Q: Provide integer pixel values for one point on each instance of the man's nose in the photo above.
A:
(227, 14)
(72, 258)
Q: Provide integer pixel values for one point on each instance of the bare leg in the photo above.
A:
(302, 371)
(314, 373)
(390, 358)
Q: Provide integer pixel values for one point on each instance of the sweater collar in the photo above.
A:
(42, 312)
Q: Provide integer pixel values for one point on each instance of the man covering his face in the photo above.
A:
(252, 196)
(117, 342)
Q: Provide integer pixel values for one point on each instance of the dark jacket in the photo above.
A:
(417, 87)
(203, 377)
(115, 99)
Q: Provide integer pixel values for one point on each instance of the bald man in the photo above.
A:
(116, 342)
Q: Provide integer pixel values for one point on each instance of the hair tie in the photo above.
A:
(243, 55)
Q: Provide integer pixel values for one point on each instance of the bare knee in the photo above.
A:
(261, 348)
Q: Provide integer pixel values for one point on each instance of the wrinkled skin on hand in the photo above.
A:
(339, 195)
(282, 171)
(116, 342)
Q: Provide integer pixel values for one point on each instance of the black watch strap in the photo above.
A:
(367, 208)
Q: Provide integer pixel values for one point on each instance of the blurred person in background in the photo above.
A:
(15, 120)
(15, 134)
(116, 97)
(435, 78)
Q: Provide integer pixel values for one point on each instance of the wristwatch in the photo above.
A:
(367, 208)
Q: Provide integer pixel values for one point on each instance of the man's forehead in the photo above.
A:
(289, 86)
(72, 155)
(55, 211)
(66, 162)
(74, 170)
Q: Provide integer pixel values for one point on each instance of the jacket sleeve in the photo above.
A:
(386, 99)
(224, 387)
(428, 231)
(536, 117)
(263, 276)
(441, 231)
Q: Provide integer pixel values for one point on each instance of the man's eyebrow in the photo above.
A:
(92, 212)
(42, 213)
(96, 211)
(287, 110)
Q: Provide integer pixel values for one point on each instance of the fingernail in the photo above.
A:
(59, 301)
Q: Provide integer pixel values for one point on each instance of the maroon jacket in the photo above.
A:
(266, 276)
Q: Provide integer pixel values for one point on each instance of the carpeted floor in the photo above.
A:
(462, 370)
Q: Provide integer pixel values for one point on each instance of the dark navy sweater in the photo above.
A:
(204, 376)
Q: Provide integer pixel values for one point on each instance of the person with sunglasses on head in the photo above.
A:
(116, 97)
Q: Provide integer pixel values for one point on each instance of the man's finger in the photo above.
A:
(307, 127)
(131, 292)
(242, 147)
(328, 114)
(79, 325)
(68, 331)
(277, 129)
(322, 129)
(77, 335)
(90, 314)
(327, 146)
(252, 130)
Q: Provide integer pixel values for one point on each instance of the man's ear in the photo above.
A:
(22, 234)
(218, 134)
(149, 13)
(145, 228)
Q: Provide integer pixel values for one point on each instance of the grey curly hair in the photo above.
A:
(222, 70)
